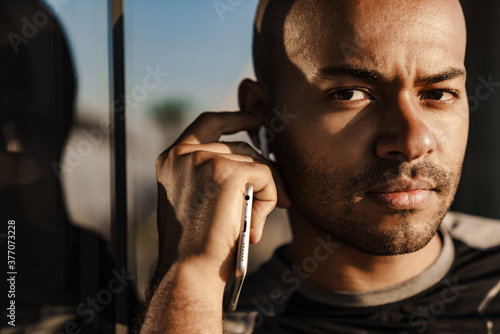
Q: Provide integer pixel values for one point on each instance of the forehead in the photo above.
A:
(386, 35)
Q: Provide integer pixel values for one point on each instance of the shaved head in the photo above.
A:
(268, 38)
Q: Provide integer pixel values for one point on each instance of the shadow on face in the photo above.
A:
(377, 91)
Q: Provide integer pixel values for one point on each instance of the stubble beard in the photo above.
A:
(329, 199)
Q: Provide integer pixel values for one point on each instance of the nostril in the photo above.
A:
(405, 144)
(395, 155)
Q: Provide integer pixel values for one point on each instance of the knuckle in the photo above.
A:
(179, 150)
(243, 146)
(207, 116)
(220, 169)
(167, 161)
(264, 169)
(160, 160)
(247, 158)
(200, 157)
(267, 173)
(163, 167)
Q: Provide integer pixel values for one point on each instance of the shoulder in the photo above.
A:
(474, 231)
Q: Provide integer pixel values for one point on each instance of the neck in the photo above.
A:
(344, 268)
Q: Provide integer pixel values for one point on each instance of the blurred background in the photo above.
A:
(182, 58)
(202, 52)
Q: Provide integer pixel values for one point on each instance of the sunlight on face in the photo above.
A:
(376, 152)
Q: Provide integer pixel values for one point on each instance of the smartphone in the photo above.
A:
(244, 239)
(242, 252)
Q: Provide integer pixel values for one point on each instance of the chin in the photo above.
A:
(401, 232)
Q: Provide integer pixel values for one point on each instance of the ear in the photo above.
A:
(254, 98)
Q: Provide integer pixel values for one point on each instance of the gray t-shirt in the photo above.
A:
(458, 293)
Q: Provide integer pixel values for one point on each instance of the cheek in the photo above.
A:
(451, 135)
(338, 139)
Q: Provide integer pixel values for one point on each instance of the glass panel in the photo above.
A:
(55, 161)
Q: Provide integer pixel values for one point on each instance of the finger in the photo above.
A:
(284, 200)
(221, 147)
(265, 195)
(237, 176)
(256, 232)
(243, 148)
(210, 126)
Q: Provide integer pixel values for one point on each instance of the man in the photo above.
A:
(369, 144)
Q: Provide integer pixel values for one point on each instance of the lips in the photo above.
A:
(402, 194)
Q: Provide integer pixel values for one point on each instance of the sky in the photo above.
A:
(205, 51)
(205, 55)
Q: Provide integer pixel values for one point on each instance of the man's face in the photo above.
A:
(375, 152)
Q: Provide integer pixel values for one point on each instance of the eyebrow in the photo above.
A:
(449, 74)
(373, 75)
(351, 71)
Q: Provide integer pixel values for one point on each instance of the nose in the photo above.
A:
(404, 135)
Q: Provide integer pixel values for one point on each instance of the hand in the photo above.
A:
(201, 185)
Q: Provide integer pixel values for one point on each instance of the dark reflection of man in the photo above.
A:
(58, 264)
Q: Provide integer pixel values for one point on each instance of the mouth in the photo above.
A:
(402, 194)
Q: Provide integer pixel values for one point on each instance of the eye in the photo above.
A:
(349, 94)
(439, 95)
